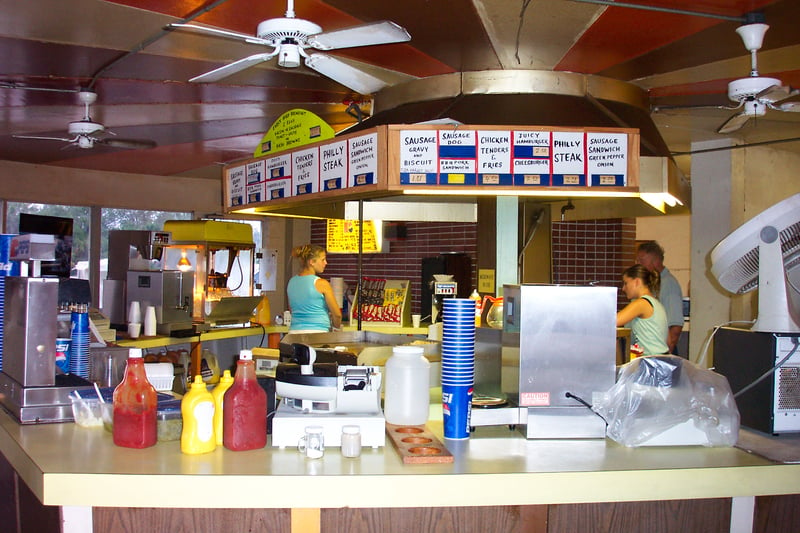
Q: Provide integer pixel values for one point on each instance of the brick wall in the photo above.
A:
(583, 252)
(404, 260)
(593, 251)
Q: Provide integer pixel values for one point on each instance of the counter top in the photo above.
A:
(68, 465)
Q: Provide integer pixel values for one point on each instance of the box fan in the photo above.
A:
(764, 253)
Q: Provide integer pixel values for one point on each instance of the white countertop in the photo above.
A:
(68, 465)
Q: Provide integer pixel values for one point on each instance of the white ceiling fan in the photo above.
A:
(289, 37)
(755, 94)
(86, 133)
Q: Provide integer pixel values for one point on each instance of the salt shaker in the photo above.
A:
(351, 441)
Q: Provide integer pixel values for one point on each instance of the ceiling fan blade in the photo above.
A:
(774, 93)
(339, 71)
(384, 32)
(221, 33)
(129, 144)
(232, 68)
(42, 138)
(734, 123)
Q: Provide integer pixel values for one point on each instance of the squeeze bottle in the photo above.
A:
(244, 409)
(262, 315)
(197, 411)
(134, 404)
(407, 395)
(478, 307)
(218, 394)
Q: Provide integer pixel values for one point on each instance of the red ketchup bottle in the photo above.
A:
(135, 406)
(244, 408)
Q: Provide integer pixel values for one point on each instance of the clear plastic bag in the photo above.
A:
(667, 400)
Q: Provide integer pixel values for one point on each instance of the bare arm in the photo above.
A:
(673, 335)
(325, 288)
(637, 308)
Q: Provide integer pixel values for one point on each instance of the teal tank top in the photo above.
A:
(309, 311)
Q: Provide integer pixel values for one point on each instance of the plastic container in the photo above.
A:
(244, 410)
(169, 422)
(478, 307)
(262, 315)
(351, 441)
(197, 411)
(218, 394)
(135, 402)
(407, 394)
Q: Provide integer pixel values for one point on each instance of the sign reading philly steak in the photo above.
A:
(569, 158)
(333, 161)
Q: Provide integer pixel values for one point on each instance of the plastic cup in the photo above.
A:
(134, 329)
(456, 407)
(415, 319)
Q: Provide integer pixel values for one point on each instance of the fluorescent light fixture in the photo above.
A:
(560, 193)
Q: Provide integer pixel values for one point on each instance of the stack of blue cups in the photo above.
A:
(458, 365)
(79, 349)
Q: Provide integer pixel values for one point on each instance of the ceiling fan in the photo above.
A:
(289, 37)
(755, 94)
(86, 133)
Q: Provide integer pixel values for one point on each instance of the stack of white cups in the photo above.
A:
(134, 320)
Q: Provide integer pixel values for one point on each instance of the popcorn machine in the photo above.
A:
(222, 257)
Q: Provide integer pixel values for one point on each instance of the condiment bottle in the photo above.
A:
(407, 396)
(197, 410)
(478, 307)
(262, 315)
(244, 410)
(218, 394)
(351, 441)
(135, 402)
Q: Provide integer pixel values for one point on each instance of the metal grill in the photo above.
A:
(789, 388)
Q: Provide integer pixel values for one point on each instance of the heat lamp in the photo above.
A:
(764, 253)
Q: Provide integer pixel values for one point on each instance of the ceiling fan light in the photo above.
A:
(289, 56)
(752, 35)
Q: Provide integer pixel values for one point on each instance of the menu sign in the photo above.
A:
(531, 157)
(607, 155)
(418, 157)
(457, 157)
(494, 158)
(236, 186)
(569, 159)
(305, 171)
(255, 182)
(343, 236)
(363, 160)
(279, 176)
(333, 166)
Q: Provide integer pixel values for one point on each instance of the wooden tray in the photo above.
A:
(417, 445)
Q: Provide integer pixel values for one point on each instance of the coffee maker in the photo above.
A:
(138, 250)
(443, 286)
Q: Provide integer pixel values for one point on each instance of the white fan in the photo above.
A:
(764, 253)
(755, 93)
(86, 133)
(289, 37)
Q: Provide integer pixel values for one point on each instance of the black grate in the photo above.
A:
(789, 388)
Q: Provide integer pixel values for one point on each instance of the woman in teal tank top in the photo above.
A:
(646, 315)
(311, 299)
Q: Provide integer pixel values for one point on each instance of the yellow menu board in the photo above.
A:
(294, 128)
(343, 237)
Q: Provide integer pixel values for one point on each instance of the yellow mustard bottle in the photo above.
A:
(197, 411)
(218, 394)
(262, 315)
(478, 308)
